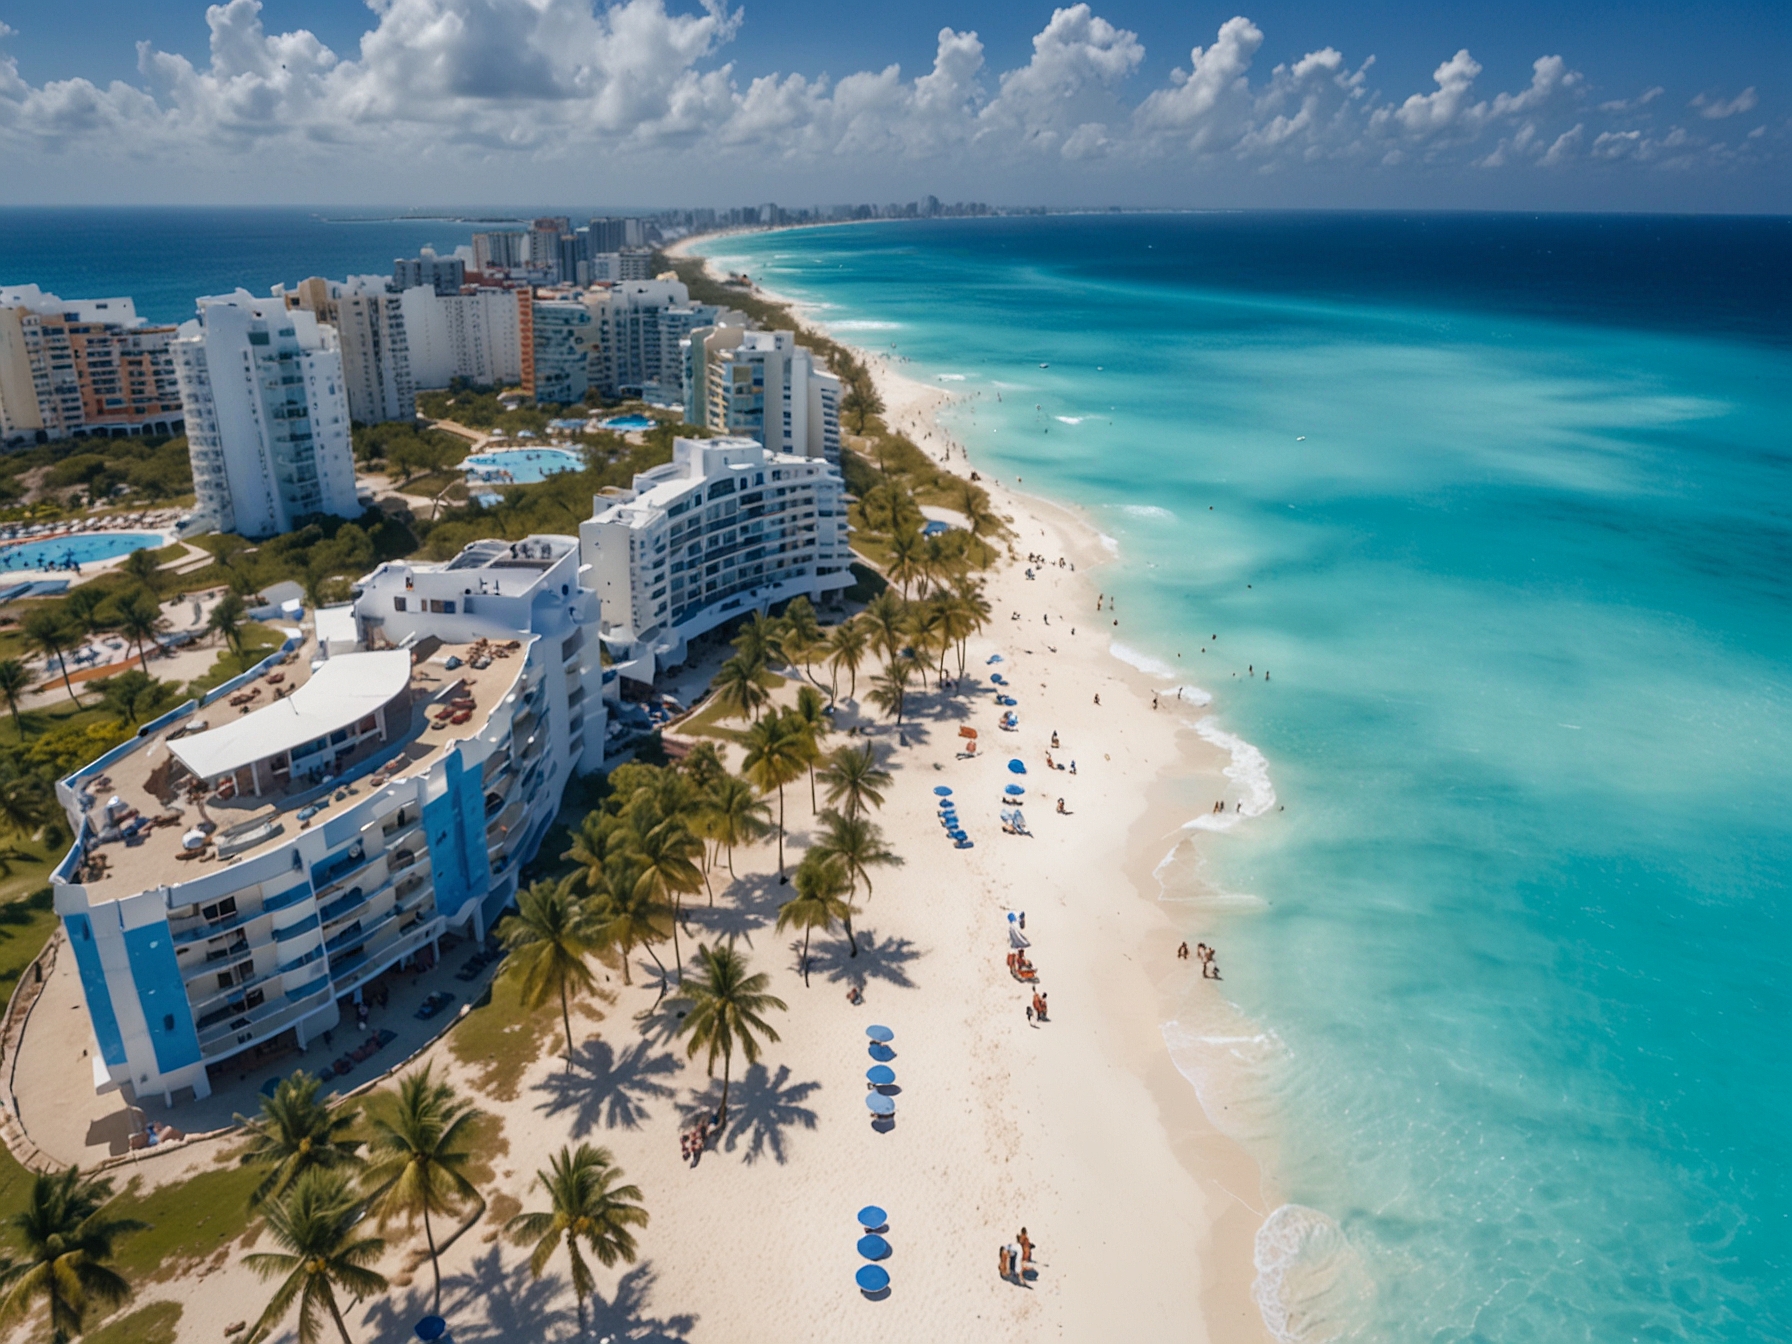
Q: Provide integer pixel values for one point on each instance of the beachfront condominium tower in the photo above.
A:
(764, 385)
(475, 335)
(445, 275)
(370, 334)
(640, 327)
(556, 347)
(267, 415)
(376, 357)
(240, 882)
(82, 368)
(724, 528)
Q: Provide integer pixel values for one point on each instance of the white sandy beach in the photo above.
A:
(1080, 1129)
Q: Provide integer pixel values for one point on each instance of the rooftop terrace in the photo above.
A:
(151, 785)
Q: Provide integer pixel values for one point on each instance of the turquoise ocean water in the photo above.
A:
(1505, 509)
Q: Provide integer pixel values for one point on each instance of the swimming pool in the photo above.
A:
(84, 548)
(629, 422)
(521, 466)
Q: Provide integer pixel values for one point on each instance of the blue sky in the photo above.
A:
(1661, 104)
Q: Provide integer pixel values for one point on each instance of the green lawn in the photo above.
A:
(501, 1039)
(710, 721)
(188, 1222)
(153, 1324)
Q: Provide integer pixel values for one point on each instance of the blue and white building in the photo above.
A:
(242, 872)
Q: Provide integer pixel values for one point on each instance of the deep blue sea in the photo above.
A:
(166, 258)
(1503, 505)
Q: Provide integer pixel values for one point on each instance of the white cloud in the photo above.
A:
(1642, 100)
(1716, 109)
(578, 84)
(1425, 113)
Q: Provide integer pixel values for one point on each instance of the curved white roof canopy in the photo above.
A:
(343, 691)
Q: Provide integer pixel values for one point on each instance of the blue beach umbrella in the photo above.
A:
(1017, 767)
(872, 1278)
(872, 1216)
(881, 1034)
(880, 1075)
(880, 1104)
(942, 790)
(993, 659)
(880, 1052)
(1014, 790)
(873, 1247)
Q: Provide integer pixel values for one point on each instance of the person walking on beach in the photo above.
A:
(1182, 952)
(1002, 1263)
(1098, 697)
(1054, 741)
(1029, 1015)
(1026, 1248)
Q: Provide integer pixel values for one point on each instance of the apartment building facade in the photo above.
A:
(725, 528)
(267, 415)
(82, 368)
(394, 796)
(764, 385)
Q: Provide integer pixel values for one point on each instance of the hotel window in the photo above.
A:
(398, 604)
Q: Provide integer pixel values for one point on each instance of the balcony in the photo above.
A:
(339, 867)
(347, 904)
(265, 1019)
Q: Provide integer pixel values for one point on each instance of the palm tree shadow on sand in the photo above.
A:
(608, 1088)
(761, 1107)
(751, 903)
(882, 959)
(492, 1303)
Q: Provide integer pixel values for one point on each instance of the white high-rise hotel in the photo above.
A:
(392, 797)
(724, 528)
(266, 414)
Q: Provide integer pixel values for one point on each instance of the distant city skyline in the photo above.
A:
(1136, 103)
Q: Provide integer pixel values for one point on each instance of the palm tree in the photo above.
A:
(139, 619)
(298, 1131)
(810, 712)
(68, 1239)
(418, 1159)
(907, 552)
(623, 915)
(15, 680)
(927, 623)
(799, 633)
(859, 845)
(545, 945)
(667, 854)
(853, 777)
(50, 633)
(889, 688)
(740, 687)
(727, 1009)
(886, 624)
(26, 802)
(141, 565)
(845, 646)
(973, 502)
(315, 1224)
(966, 613)
(585, 1204)
(227, 619)
(732, 816)
(757, 639)
(820, 899)
(775, 756)
(84, 610)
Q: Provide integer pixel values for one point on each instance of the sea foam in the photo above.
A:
(1248, 769)
(863, 324)
(1147, 511)
(1311, 1285)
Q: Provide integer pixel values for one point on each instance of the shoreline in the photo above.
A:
(1233, 1179)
